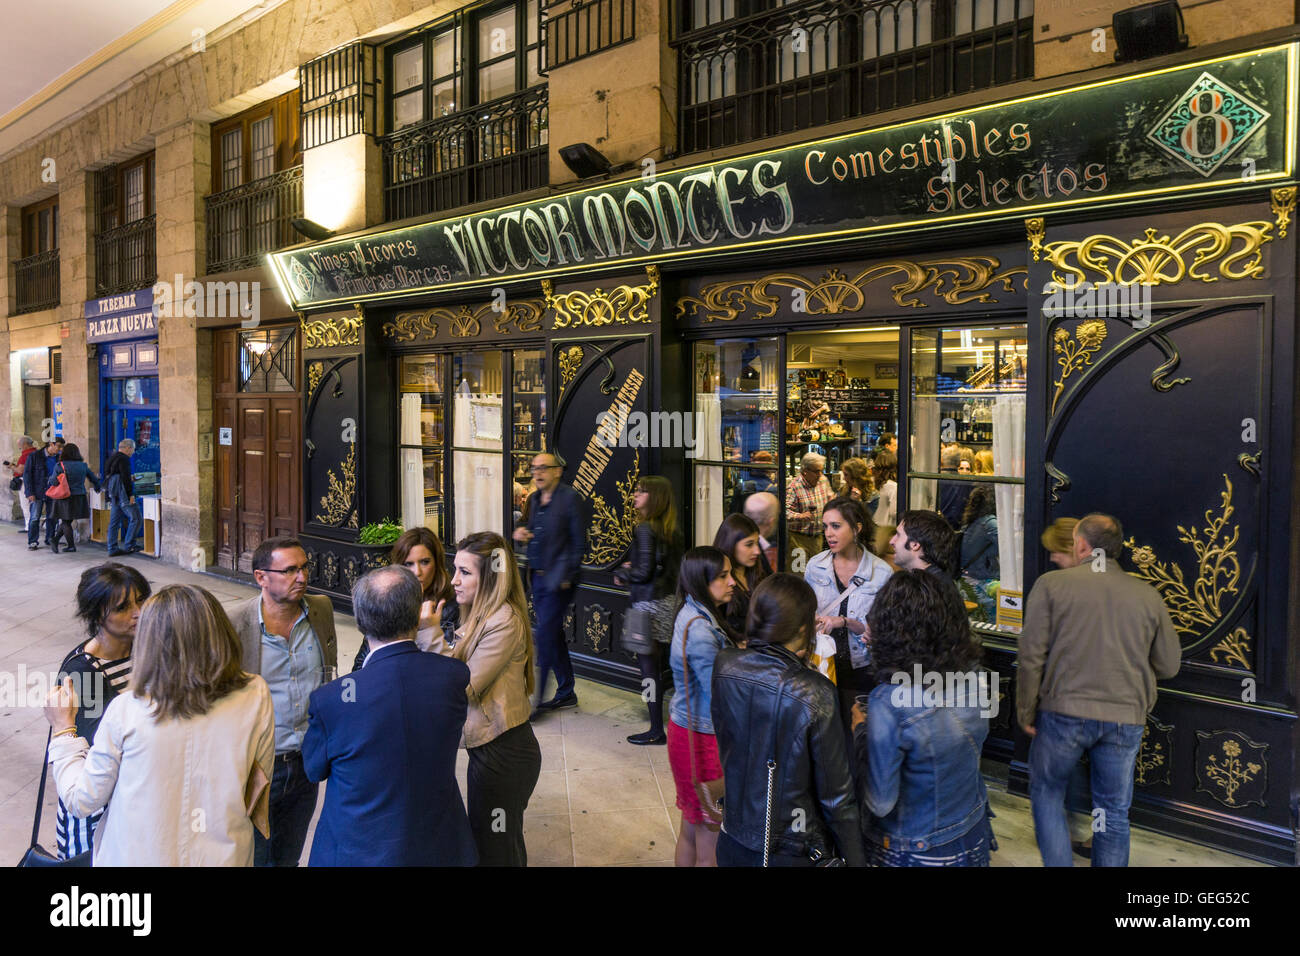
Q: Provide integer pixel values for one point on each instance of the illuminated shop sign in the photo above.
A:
(115, 318)
(1215, 125)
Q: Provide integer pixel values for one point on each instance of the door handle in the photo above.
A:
(238, 489)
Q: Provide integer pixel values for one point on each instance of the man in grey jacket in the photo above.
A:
(287, 637)
(1095, 641)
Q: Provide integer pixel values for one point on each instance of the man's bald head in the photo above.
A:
(1103, 531)
(762, 508)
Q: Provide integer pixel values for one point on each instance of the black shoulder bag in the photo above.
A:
(36, 854)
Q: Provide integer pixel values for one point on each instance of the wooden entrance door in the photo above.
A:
(258, 472)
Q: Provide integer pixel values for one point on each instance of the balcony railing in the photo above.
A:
(482, 152)
(126, 257)
(573, 29)
(36, 282)
(815, 62)
(246, 222)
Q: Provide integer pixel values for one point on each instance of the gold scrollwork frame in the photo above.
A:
(956, 280)
(621, 305)
(333, 331)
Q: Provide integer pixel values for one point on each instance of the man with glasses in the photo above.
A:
(288, 637)
(556, 535)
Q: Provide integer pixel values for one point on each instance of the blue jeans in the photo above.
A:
(552, 652)
(42, 506)
(119, 508)
(293, 804)
(1112, 751)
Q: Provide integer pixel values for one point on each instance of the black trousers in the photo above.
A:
(651, 670)
(500, 780)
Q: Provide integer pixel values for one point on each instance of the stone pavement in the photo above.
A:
(599, 801)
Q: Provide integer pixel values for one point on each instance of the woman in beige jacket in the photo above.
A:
(495, 641)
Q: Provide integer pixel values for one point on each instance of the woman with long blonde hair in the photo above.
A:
(496, 642)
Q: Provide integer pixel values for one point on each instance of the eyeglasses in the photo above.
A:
(292, 572)
(540, 468)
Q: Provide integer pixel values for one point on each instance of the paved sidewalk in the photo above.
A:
(600, 801)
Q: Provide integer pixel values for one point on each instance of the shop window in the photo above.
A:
(528, 429)
(423, 428)
(736, 405)
(966, 456)
(477, 433)
(268, 360)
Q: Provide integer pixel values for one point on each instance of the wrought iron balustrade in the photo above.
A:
(815, 62)
(573, 29)
(126, 257)
(482, 152)
(36, 282)
(246, 222)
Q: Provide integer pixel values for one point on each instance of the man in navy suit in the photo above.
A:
(386, 738)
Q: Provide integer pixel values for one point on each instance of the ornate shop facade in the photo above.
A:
(1094, 285)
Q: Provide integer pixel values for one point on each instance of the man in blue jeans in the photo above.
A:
(1095, 641)
(119, 488)
(556, 535)
(36, 475)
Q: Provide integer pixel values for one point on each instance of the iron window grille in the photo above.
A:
(337, 93)
(574, 29)
(126, 258)
(37, 282)
(749, 70)
(246, 222)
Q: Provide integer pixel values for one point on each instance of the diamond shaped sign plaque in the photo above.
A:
(1207, 124)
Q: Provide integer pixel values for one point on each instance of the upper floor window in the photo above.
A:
(256, 143)
(756, 68)
(125, 193)
(464, 62)
(41, 227)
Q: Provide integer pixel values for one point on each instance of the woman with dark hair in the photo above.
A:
(918, 744)
(737, 538)
(790, 798)
(495, 641)
(704, 587)
(109, 598)
(845, 578)
(192, 740)
(420, 552)
(75, 507)
(979, 548)
(651, 576)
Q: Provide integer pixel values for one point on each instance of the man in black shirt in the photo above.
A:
(924, 541)
(120, 491)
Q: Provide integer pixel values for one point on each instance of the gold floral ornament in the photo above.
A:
(612, 525)
(315, 371)
(954, 280)
(1228, 771)
(1282, 201)
(1196, 609)
(1161, 260)
(597, 628)
(1036, 232)
(622, 305)
(1150, 757)
(1234, 649)
(570, 362)
(336, 505)
(1075, 353)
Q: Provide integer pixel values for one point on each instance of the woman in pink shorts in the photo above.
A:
(705, 585)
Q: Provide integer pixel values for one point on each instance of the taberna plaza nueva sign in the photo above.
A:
(1215, 125)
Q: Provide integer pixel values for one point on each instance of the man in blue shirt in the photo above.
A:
(288, 637)
(556, 535)
(36, 476)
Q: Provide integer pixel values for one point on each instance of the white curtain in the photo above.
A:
(477, 475)
(923, 493)
(412, 464)
(710, 490)
(1009, 462)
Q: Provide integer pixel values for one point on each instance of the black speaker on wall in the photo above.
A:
(1152, 29)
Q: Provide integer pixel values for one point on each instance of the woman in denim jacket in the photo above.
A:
(918, 748)
(704, 587)
(847, 564)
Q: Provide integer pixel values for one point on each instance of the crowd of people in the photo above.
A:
(788, 739)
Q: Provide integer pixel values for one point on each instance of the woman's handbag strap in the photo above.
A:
(40, 792)
(686, 680)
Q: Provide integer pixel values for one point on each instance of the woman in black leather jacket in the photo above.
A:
(788, 785)
(649, 576)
